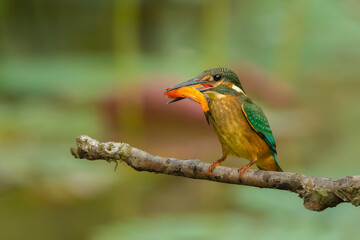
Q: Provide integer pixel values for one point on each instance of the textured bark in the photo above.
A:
(318, 193)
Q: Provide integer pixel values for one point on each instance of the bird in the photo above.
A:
(239, 123)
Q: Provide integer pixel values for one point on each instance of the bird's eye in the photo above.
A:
(217, 77)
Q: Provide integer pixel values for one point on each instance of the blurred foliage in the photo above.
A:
(98, 68)
(264, 217)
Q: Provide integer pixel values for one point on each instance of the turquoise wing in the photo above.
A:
(259, 123)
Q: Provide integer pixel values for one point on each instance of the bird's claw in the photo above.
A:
(243, 169)
(212, 166)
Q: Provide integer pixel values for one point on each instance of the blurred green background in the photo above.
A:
(100, 67)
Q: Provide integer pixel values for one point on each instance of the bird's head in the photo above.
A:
(215, 83)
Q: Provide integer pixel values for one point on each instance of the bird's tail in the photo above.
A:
(270, 163)
(277, 164)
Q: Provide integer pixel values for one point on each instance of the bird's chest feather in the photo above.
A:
(234, 132)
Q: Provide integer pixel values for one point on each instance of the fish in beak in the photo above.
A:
(192, 90)
(197, 84)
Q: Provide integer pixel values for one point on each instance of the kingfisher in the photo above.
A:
(240, 124)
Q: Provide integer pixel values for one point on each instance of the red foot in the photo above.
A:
(246, 167)
(214, 164)
(211, 168)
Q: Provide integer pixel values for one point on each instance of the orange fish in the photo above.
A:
(188, 92)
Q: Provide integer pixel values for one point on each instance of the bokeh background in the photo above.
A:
(100, 67)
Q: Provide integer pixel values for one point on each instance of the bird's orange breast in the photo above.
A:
(236, 135)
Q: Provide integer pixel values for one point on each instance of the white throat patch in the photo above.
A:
(236, 88)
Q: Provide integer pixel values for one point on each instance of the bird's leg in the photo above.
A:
(216, 163)
(247, 167)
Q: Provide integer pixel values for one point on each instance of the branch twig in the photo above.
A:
(318, 193)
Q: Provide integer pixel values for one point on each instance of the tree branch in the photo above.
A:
(318, 193)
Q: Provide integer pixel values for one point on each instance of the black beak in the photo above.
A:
(191, 82)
